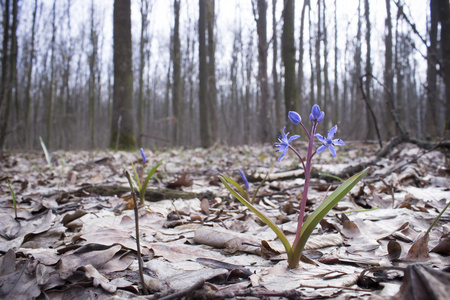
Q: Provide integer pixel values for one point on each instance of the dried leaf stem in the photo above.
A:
(136, 219)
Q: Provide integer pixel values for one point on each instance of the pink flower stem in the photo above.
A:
(306, 185)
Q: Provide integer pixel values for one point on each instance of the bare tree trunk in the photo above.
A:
(92, 79)
(288, 54)
(319, 98)
(276, 83)
(9, 68)
(142, 44)
(326, 90)
(388, 71)
(28, 135)
(336, 104)
(445, 48)
(122, 126)
(301, 50)
(369, 120)
(432, 59)
(312, 79)
(50, 101)
(205, 134)
(176, 89)
(356, 98)
(263, 113)
(212, 91)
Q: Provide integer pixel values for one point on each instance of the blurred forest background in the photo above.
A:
(91, 74)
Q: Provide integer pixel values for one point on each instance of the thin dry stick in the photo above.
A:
(136, 219)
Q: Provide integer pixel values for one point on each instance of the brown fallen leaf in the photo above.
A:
(17, 281)
(204, 205)
(232, 241)
(181, 181)
(419, 250)
(444, 245)
(422, 282)
(394, 250)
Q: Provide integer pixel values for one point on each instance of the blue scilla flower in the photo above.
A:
(144, 158)
(294, 117)
(329, 142)
(316, 114)
(283, 144)
(244, 178)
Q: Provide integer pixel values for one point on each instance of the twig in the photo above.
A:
(198, 284)
(369, 107)
(136, 219)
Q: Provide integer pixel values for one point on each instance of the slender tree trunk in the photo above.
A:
(92, 80)
(212, 90)
(288, 54)
(263, 112)
(336, 103)
(319, 98)
(122, 126)
(369, 120)
(432, 59)
(176, 89)
(50, 101)
(301, 50)
(29, 73)
(312, 79)
(276, 83)
(388, 70)
(356, 100)
(205, 134)
(142, 45)
(445, 48)
(326, 90)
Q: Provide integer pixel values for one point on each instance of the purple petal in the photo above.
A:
(144, 158)
(293, 138)
(338, 142)
(332, 132)
(282, 156)
(320, 118)
(332, 150)
(321, 138)
(321, 148)
(244, 178)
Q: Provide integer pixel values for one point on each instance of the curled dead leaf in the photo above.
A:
(394, 250)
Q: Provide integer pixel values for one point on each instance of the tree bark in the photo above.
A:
(276, 83)
(432, 59)
(176, 88)
(263, 113)
(288, 54)
(92, 58)
(445, 48)
(122, 126)
(368, 70)
(9, 77)
(388, 70)
(29, 73)
(319, 98)
(205, 135)
(301, 55)
(142, 44)
(211, 52)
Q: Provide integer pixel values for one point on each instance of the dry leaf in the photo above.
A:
(419, 249)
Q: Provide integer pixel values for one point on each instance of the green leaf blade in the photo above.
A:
(225, 180)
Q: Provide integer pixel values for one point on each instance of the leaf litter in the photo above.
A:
(71, 241)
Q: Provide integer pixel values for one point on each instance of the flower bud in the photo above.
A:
(294, 117)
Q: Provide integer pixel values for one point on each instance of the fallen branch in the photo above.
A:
(151, 195)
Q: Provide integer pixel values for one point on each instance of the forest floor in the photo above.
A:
(72, 241)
